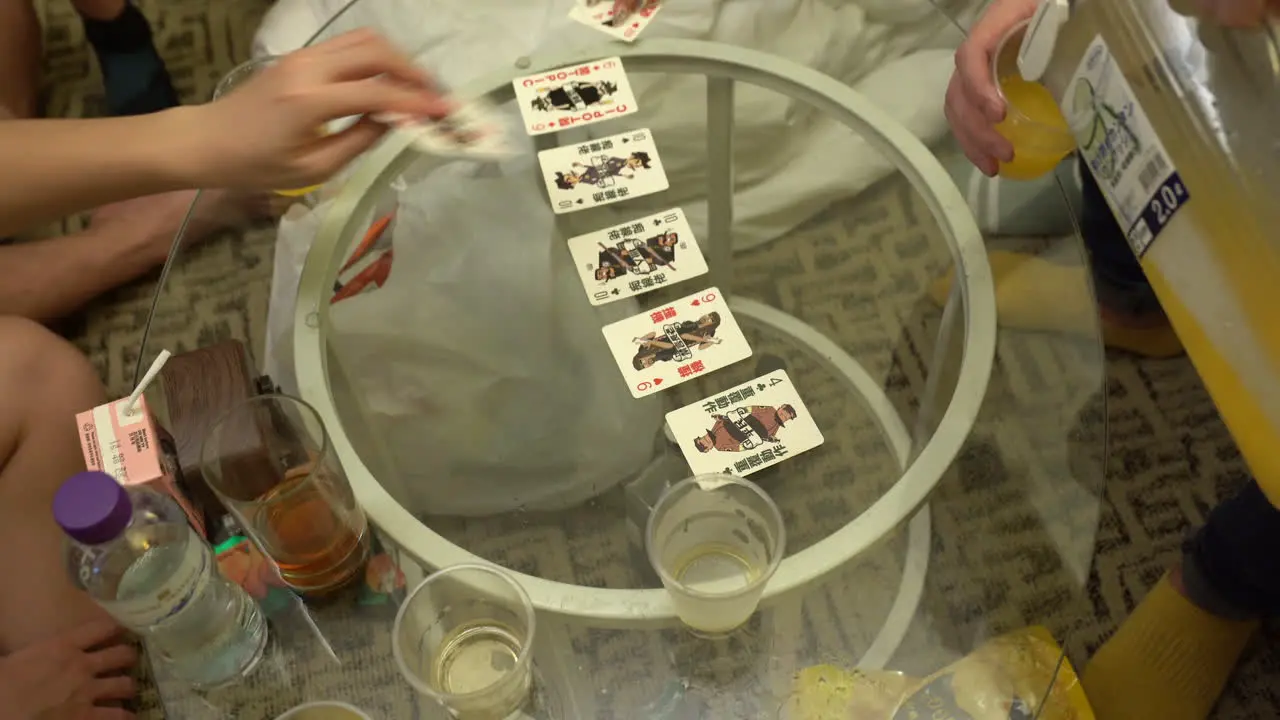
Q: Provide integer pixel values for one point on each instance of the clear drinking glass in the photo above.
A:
(715, 540)
(1033, 124)
(464, 637)
(268, 459)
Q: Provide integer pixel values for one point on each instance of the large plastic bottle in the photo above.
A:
(133, 552)
(1179, 122)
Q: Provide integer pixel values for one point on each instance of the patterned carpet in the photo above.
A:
(1169, 457)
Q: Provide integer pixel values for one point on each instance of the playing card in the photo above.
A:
(600, 16)
(473, 130)
(603, 171)
(637, 256)
(745, 429)
(574, 96)
(673, 343)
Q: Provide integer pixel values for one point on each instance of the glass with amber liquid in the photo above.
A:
(270, 462)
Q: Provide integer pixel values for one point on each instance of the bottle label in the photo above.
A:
(1118, 143)
(171, 595)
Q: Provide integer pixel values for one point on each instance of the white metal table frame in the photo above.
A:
(723, 66)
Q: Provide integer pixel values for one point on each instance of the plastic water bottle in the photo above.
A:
(133, 552)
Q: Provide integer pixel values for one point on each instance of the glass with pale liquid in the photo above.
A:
(715, 540)
(464, 638)
(269, 461)
(1033, 124)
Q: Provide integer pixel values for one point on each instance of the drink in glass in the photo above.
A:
(269, 460)
(464, 638)
(1033, 124)
(715, 540)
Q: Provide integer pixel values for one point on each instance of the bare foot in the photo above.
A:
(156, 219)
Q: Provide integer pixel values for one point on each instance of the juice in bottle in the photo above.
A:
(1178, 128)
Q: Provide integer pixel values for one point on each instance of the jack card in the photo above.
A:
(637, 256)
(574, 96)
(670, 344)
(603, 171)
(600, 16)
(745, 429)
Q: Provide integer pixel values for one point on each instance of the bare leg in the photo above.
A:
(19, 59)
(50, 279)
(44, 382)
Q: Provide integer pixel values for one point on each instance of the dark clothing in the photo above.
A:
(1118, 279)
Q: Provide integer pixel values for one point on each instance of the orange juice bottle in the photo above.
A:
(1177, 122)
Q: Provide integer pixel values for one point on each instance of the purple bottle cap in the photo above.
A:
(92, 508)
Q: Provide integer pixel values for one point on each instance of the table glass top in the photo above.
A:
(473, 381)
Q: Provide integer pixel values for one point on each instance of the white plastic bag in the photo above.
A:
(481, 364)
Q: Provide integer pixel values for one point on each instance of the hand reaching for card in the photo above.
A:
(266, 134)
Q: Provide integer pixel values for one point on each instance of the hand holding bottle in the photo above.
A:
(974, 105)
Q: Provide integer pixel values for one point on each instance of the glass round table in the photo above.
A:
(446, 321)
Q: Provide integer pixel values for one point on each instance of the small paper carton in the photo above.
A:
(124, 443)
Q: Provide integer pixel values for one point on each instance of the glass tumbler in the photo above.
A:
(269, 461)
(464, 638)
(715, 540)
(1033, 124)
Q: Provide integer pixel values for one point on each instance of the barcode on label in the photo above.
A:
(1155, 171)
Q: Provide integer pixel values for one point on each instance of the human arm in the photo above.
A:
(973, 104)
(264, 135)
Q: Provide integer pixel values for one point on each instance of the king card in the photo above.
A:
(637, 256)
(671, 344)
(745, 429)
(574, 96)
(600, 16)
(602, 172)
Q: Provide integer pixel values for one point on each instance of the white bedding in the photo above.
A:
(896, 52)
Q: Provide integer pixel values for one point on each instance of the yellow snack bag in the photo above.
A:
(1005, 679)
(826, 691)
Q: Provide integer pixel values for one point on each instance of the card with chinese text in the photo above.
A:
(637, 256)
(745, 429)
(672, 343)
(574, 96)
(601, 17)
(473, 130)
(601, 172)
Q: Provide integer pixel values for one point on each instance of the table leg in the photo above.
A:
(719, 240)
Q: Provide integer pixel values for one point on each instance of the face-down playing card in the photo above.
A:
(673, 343)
